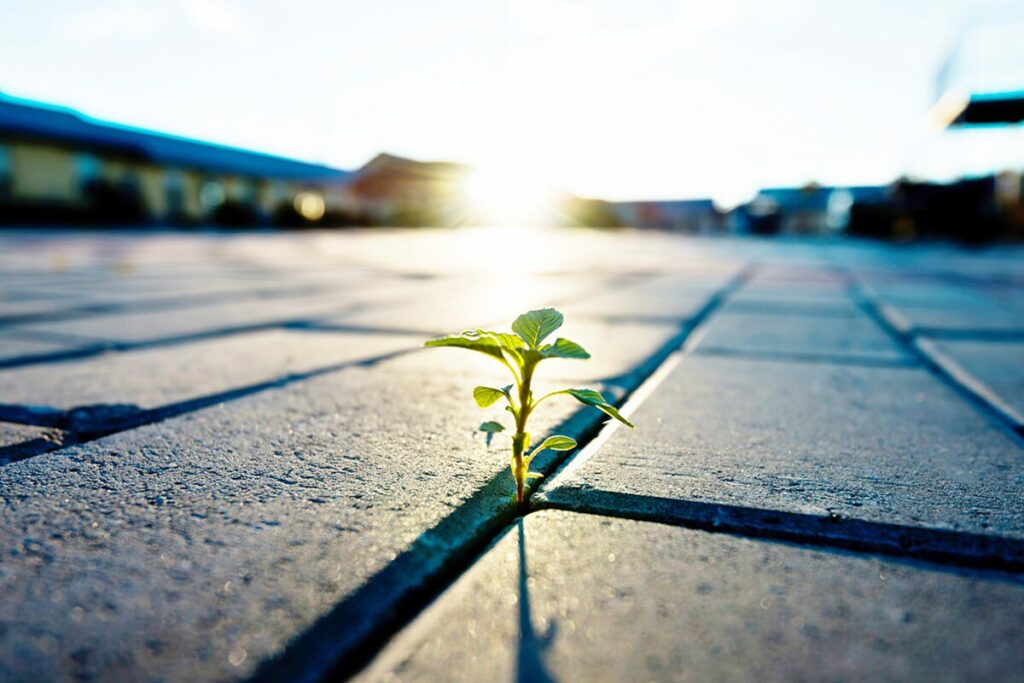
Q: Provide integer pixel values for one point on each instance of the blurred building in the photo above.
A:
(692, 216)
(57, 165)
(811, 210)
(982, 81)
(393, 190)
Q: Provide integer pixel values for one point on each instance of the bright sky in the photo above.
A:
(627, 99)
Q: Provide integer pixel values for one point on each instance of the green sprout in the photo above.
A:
(520, 353)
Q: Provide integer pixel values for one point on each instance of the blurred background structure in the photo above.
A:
(870, 150)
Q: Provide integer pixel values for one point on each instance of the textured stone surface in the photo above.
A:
(812, 296)
(151, 325)
(155, 377)
(879, 444)
(11, 433)
(854, 336)
(265, 530)
(978, 318)
(669, 297)
(18, 441)
(467, 303)
(13, 347)
(584, 598)
(198, 547)
(914, 305)
(996, 369)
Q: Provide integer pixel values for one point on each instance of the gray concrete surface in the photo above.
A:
(150, 378)
(995, 369)
(212, 469)
(568, 597)
(13, 346)
(166, 551)
(888, 445)
(853, 337)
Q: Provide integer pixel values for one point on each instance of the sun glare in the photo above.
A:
(508, 196)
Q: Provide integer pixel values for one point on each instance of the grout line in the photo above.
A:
(925, 543)
(72, 436)
(690, 336)
(358, 656)
(162, 303)
(970, 384)
(84, 434)
(956, 381)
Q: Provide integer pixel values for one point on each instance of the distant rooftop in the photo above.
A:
(36, 120)
(982, 81)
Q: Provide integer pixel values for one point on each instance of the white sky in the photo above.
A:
(626, 99)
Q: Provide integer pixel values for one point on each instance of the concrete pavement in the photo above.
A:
(226, 456)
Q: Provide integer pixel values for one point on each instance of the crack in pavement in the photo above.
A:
(333, 651)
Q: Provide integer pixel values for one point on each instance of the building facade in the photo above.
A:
(57, 165)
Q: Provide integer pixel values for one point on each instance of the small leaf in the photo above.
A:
(491, 427)
(474, 340)
(486, 396)
(534, 475)
(594, 398)
(556, 443)
(563, 348)
(535, 326)
(507, 341)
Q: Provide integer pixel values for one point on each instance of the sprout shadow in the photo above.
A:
(530, 666)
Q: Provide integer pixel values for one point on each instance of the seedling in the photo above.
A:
(520, 353)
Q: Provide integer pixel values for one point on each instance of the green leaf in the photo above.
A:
(485, 396)
(491, 427)
(595, 399)
(535, 326)
(498, 345)
(556, 443)
(563, 348)
(474, 340)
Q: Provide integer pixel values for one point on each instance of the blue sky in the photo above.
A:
(629, 99)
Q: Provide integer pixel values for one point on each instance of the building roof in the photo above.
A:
(37, 120)
(981, 109)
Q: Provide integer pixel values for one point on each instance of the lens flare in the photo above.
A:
(504, 195)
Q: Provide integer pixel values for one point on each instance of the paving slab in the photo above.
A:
(921, 307)
(456, 304)
(199, 548)
(995, 370)
(16, 308)
(854, 336)
(147, 326)
(911, 292)
(978, 320)
(819, 307)
(12, 346)
(669, 298)
(883, 445)
(569, 597)
(147, 379)
(818, 273)
(823, 295)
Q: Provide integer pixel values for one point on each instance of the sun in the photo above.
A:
(506, 195)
